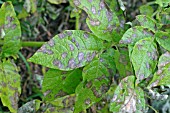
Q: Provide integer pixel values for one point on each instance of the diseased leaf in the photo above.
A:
(59, 83)
(163, 38)
(57, 1)
(134, 34)
(144, 58)
(68, 50)
(123, 64)
(96, 81)
(161, 77)
(30, 107)
(165, 16)
(101, 20)
(147, 22)
(146, 10)
(10, 26)
(127, 98)
(9, 85)
(62, 105)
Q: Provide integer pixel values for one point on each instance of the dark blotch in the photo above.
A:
(89, 84)
(86, 35)
(61, 35)
(57, 63)
(51, 43)
(81, 56)
(87, 101)
(72, 63)
(64, 55)
(71, 47)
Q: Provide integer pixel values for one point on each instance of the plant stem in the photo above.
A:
(77, 21)
(27, 43)
(32, 44)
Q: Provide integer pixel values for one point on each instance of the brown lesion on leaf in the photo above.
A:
(94, 22)
(89, 84)
(87, 101)
(57, 63)
(72, 63)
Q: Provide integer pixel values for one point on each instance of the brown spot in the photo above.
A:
(64, 55)
(103, 88)
(57, 63)
(89, 84)
(47, 92)
(102, 5)
(63, 77)
(139, 46)
(61, 35)
(95, 92)
(73, 40)
(77, 45)
(60, 94)
(85, 9)
(72, 63)
(147, 65)
(93, 9)
(76, 2)
(87, 101)
(69, 33)
(51, 43)
(90, 1)
(9, 19)
(90, 56)
(164, 37)
(71, 47)
(86, 35)
(81, 56)
(109, 16)
(141, 76)
(14, 26)
(94, 22)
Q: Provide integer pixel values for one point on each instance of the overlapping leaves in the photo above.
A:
(68, 50)
(10, 30)
(161, 77)
(96, 81)
(58, 83)
(101, 20)
(9, 85)
(127, 98)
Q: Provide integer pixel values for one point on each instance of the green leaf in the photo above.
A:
(161, 77)
(123, 64)
(9, 85)
(144, 58)
(134, 34)
(10, 25)
(57, 1)
(127, 98)
(165, 16)
(58, 83)
(146, 10)
(96, 81)
(62, 105)
(162, 3)
(163, 38)
(101, 20)
(68, 50)
(147, 22)
(30, 107)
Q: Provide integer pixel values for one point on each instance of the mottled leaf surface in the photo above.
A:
(9, 85)
(62, 105)
(146, 10)
(68, 50)
(123, 64)
(147, 22)
(96, 81)
(101, 20)
(127, 98)
(58, 83)
(163, 38)
(134, 34)
(162, 76)
(30, 107)
(144, 58)
(10, 26)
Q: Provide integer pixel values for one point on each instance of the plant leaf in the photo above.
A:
(161, 77)
(101, 20)
(62, 105)
(163, 38)
(127, 98)
(58, 83)
(30, 107)
(123, 64)
(68, 50)
(10, 25)
(147, 22)
(96, 81)
(134, 34)
(146, 10)
(57, 1)
(144, 58)
(9, 85)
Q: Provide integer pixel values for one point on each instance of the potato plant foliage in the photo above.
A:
(114, 62)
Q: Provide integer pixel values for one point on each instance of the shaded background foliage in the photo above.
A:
(40, 21)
